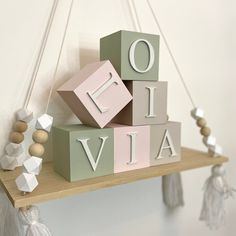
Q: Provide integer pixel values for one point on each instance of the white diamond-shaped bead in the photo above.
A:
(21, 159)
(209, 141)
(215, 150)
(44, 122)
(24, 115)
(197, 113)
(14, 149)
(8, 162)
(33, 165)
(26, 182)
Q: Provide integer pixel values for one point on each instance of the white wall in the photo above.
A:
(203, 37)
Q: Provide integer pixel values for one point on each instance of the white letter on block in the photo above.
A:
(100, 90)
(133, 136)
(167, 138)
(151, 91)
(84, 143)
(132, 55)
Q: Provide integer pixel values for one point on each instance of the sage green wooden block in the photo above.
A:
(69, 155)
(119, 48)
(158, 137)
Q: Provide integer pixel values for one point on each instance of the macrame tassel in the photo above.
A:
(172, 190)
(30, 217)
(216, 191)
(9, 222)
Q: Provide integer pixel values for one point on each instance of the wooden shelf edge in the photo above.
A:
(52, 186)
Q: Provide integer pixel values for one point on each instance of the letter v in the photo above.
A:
(92, 162)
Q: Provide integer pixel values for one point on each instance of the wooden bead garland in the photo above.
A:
(20, 126)
(210, 141)
(16, 137)
(36, 149)
(201, 122)
(33, 165)
(40, 136)
(14, 154)
(205, 131)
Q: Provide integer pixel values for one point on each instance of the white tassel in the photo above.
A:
(216, 191)
(9, 222)
(172, 190)
(31, 218)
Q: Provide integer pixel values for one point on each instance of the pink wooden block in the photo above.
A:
(96, 94)
(131, 147)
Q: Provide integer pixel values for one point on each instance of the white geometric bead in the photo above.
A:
(197, 113)
(26, 182)
(209, 141)
(8, 162)
(21, 159)
(14, 149)
(33, 165)
(215, 150)
(24, 115)
(44, 122)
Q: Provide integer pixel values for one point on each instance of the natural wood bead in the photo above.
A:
(20, 126)
(40, 136)
(36, 149)
(201, 122)
(16, 137)
(205, 131)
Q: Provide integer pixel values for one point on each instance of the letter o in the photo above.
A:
(132, 57)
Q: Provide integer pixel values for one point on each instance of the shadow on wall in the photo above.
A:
(88, 56)
(57, 107)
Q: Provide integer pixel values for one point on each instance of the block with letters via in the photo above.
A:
(96, 94)
(149, 104)
(82, 152)
(165, 143)
(131, 147)
(134, 55)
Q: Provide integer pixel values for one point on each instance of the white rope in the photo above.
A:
(59, 56)
(171, 55)
(131, 14)
(136, 16)
(40, 54)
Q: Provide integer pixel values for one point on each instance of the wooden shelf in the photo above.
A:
(52, 186)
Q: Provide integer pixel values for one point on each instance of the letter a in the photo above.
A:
(166, 139)
(92, 162)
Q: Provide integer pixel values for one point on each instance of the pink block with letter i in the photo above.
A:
(131, 147)
(96, 94)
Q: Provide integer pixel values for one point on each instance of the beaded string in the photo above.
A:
(27, 181)
(14, 150)
(197, 113)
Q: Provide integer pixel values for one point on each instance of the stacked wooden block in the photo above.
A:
(123, 108)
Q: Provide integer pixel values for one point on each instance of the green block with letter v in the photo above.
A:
(83, 152)
(134, 55)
